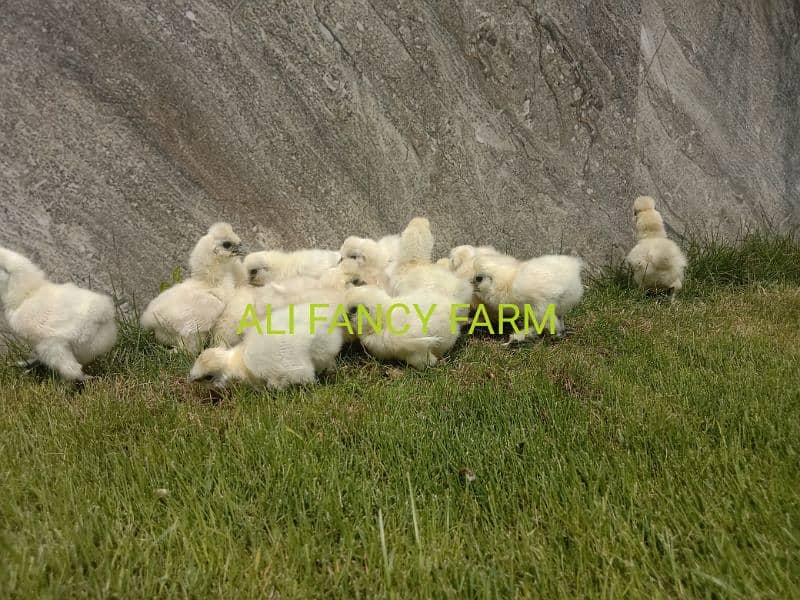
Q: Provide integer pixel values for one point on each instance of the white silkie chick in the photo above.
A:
(328, 289)
(274, 360)
(184, 314)
(363, 253)
(462, 264)
(416, 245)
(658, 264)
(274, 265)
(462, 259)
(216, 258)
(66, 326)
(415, 272)
(643, 203)
(421, 331)
(538, 283)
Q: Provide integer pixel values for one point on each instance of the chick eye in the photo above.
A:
(352, 311)
(227, 245)
(253, 271)
(208, 378)
(478, 278)
(358, 282)
(353, 256)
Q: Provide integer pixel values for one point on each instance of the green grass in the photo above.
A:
(654, 452)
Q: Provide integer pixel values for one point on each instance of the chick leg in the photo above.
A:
(560, 328)
(31, 363)
(418, 360)
(516, 338)
(674, 289)
(421, 359)
(526, 334)
(57, 355)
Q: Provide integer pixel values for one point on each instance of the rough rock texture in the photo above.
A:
(126, 127)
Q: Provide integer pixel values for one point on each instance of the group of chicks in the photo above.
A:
(67, 327)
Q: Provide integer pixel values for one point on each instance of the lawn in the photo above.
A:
(653, 452)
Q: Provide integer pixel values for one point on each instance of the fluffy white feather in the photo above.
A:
(274, 265)
(364, 253)
(216, 258)
(66, 326)
(328, 289)
(184, 314)
(643, 203)
(390, 245)
(225, 328)
(275, 361)
(414, 271)
(462, 259)
(417, 345)
(538, 282)
(462, 264)
(658, 264)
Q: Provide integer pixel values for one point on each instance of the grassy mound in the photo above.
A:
(654, 451)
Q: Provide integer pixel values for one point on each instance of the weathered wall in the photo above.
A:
(126, 128)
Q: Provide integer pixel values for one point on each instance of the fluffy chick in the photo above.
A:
(462, 264)
(415, 272)
(274, 361)
(273, 265)
(416, 244)
(364, 253)
(215, 259)
(184, 314)
(328, 289)
(538, 282)
(643, 203)
(66, 326)
(462, 259)
(414, 346)
(656, 261)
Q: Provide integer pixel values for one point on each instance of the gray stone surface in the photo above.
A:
(126, 128)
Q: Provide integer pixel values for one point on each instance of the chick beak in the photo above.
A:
(239, 250)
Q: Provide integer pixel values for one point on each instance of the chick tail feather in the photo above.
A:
(416, 243)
